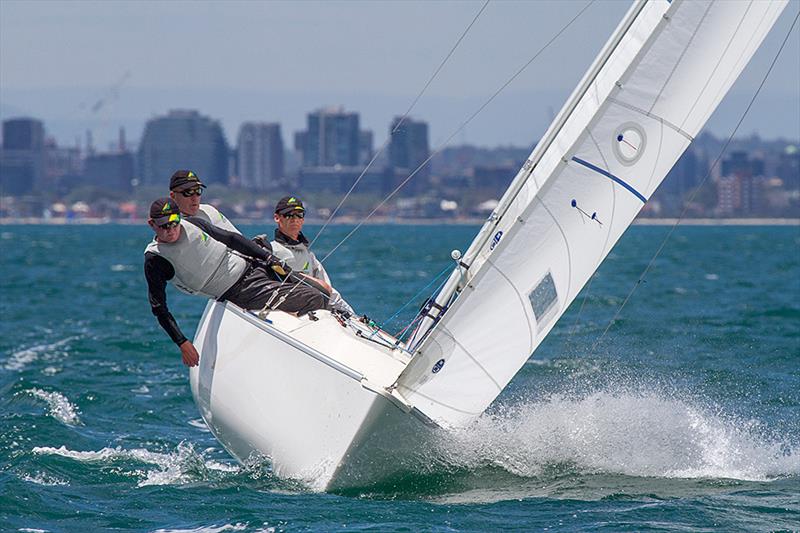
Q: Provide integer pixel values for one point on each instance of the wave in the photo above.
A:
(60, 407)
(627, 433)
(180, 467)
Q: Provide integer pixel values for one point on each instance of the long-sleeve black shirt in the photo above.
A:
(158, 271)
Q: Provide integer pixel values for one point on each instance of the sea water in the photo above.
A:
(685, 415)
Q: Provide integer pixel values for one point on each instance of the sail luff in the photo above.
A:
(613, 149)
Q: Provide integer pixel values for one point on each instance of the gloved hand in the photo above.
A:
(263, 241)
(278, 266)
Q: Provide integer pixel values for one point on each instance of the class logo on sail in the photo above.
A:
(495, 240)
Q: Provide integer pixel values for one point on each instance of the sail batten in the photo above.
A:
(644, 99)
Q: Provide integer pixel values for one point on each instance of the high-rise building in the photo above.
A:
(112, 171)
(364, 147)
(408, 146)
(789, 167)
(183, 139)
(408, 149)
(260, 155)
(332, 138)
(739, 163)
(22, 160)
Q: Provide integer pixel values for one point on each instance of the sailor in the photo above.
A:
(185, 188)
(198, 258)
(291, 246)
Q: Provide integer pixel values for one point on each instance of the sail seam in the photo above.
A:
(613, 198)
(680, 59)
(472, 357)
(744, 53)
(651, 115)
(521, 303)
(656, 159)
(611, 176)
(569, 254)
(719, 61)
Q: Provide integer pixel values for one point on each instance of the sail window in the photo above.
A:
(628, 143)
(544, 299)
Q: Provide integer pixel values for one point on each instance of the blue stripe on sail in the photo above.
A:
(633, 191)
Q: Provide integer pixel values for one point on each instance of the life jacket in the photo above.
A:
(202, 264)
(297, 255)
(211, 214)
(300, 259)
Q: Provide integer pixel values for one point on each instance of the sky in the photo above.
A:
(100, 65)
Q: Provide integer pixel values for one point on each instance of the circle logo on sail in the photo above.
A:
(438, 366)
(629, 142)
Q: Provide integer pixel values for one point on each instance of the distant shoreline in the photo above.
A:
(413, 222)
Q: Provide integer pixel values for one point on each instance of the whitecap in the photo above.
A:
(21, 358)
(182, 466)
(628, 433)
(122, 268)
(47, 480)
(711, 277)
(208, 529)
(60, 407)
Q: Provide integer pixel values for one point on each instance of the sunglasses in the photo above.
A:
(192, 192)
(294, 215)
(170, 225)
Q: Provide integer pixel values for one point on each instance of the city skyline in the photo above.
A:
(100, 66)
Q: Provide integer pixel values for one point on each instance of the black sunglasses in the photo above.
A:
(170, 225)
(294, 215)
(192, 192)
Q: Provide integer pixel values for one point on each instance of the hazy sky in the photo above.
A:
(99, 65)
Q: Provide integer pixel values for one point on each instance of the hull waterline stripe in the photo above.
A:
(599, 170)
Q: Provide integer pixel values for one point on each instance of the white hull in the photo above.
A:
(266, 389)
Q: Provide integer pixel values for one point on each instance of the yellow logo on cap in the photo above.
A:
(166, 207)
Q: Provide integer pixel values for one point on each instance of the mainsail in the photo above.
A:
(649, 92)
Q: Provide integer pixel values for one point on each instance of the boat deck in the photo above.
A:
(354, 346)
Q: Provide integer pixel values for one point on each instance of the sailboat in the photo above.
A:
(339, 403)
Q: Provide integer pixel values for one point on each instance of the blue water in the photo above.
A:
(684, 417)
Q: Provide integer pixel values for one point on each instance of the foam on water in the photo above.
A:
(44, 479)
(208, 529)
(59, 406)
(628, 433)
(182, 466)
(22, 358)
